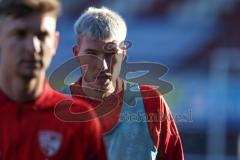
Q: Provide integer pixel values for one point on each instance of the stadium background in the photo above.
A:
(199, 41)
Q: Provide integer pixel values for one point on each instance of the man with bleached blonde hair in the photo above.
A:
(100, 49)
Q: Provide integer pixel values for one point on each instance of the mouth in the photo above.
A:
(104, 76)
(103, 80)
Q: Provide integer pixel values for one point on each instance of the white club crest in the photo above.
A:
(50, 142)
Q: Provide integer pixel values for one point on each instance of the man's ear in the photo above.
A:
(75, 50)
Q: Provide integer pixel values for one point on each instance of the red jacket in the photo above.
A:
(162, 128)
(32, 131)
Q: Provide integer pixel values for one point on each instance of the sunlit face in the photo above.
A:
(101, 67)
(27, 45)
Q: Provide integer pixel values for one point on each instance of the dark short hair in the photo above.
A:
(21, 8)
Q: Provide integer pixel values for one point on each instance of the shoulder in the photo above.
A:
(75, 114)
(160, 120)
(149, 91)
(152, 99)
(154, 102)
(73, 109)
(66, 106)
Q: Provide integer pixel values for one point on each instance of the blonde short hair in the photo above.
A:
(101, 23)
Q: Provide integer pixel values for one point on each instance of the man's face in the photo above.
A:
(100, 67)
(27, 45)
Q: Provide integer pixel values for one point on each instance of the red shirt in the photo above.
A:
(162, 128)
(32, 131)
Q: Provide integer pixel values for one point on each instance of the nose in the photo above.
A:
(103, 63)
(33, 44)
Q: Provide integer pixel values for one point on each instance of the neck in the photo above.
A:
(22, 90)
(96, 93)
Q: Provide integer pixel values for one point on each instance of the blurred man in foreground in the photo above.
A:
(130, 132)
(29, 128)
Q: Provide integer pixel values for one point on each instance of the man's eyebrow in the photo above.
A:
(97, 51)
(91, 50)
